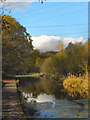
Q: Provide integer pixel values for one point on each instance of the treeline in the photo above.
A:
(73, 59)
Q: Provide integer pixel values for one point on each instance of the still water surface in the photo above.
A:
(43, 98)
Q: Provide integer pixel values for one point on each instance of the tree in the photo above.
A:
(77, 58)
(73, 59)
(16, 45)
(59, 46)
(86, 58)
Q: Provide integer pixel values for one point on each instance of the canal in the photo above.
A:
(43, 98)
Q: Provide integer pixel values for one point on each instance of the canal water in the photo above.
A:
(43, 99)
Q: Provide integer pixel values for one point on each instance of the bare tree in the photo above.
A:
(2, 6)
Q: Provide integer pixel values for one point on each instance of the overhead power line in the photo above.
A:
(56, 16)
(72, 33)
(64, 34)
(57, 25)
(46, 10)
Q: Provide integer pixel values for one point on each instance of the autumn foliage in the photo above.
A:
(76, 87)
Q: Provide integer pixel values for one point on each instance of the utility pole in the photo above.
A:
(41, 1)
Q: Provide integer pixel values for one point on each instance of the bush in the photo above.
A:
(76, 87)
(47, 66)
(55, 65)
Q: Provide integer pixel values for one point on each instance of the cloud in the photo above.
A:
(47, 43)
(73, 40)
(13, 5)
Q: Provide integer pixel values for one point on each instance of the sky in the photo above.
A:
(50, 22)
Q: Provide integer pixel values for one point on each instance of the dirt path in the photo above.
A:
(11, 108)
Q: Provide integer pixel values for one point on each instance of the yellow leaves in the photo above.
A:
(4, 16)
(60, 53)
(60, 46)
(86, 46)
(14, 45)
(76, 85)
(9, 23)
(14, 22)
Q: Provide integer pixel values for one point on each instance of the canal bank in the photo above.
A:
(11, 106)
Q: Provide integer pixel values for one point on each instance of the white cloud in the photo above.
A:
(22, 5)
(47, 43)
(73, 40)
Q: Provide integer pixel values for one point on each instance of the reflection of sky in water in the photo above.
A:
(45, 98)
(40, 98)
(49, 107)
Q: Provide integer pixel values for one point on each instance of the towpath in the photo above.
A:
(11, 108)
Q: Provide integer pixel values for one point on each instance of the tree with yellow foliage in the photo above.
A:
(16, 45)
(59, 46)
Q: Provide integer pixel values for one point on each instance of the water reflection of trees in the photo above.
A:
(42, 85)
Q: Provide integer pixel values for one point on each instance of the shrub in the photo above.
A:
(76, 87)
